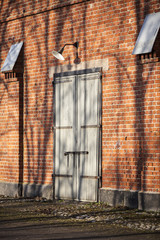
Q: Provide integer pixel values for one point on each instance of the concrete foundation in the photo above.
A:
(26, 190)
(132, 199)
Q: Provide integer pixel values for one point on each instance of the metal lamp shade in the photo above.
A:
(57, 55)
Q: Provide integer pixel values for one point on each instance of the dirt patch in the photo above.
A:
(76, 213)
(38, 219)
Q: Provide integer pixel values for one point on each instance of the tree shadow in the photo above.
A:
(36, 105)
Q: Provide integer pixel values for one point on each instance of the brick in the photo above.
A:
(130, 90)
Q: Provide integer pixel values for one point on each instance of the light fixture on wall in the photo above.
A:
(59, 55)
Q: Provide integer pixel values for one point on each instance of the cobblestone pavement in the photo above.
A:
(76, 215)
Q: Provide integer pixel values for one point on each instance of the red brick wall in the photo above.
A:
(9, 141)
(130, 90)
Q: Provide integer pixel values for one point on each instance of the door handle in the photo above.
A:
(76, 152)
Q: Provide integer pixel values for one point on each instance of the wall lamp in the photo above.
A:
(58, 54)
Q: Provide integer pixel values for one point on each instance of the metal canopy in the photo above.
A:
(148, 34)
(12, 57)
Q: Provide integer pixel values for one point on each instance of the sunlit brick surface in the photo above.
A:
(130, 89)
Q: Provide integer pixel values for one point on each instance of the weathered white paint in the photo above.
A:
(77, 129)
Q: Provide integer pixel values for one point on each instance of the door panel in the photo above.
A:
(65, 183)
(64, 137)
(64, 141)
(88, 190)
(88, 99)
(77, 136)
(89, 165)
(89, 121)
(64, 99)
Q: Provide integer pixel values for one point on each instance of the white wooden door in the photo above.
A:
(77, 136)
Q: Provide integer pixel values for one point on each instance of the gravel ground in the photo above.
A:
(70, 212)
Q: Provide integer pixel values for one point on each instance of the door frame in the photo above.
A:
(75, 73)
